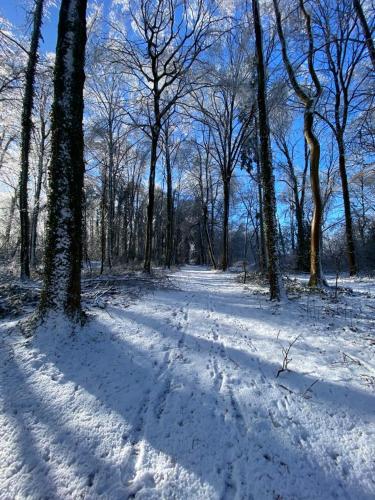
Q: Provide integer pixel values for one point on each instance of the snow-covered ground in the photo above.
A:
(175, 396)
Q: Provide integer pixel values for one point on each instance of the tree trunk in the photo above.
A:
(169, 235)
(36, 209)
(292, 228)
(316, 275)
(9, 225)
(61, 291)
(126, 227)
(110, 213)
(151, 200)
(302, 248)
(262, 257)
(103, 205)
(27, 110)
(205, 196)
(202, 253)
(282, 242)
(269, 198)
(309, 101)
(347, 208)
(302, 251)
(262, 240)
(226, 200)
(208, 238)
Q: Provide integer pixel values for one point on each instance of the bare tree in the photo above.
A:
(296, 181)
(309, 99)
(204, 180)
(226, 108)
(41, 140)
(26, 137)
(108, 135)
(167, 37)
(13, 58)
(170, 149)
(344, 56)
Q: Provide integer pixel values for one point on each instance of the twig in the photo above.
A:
(286, 388)
(285, 351)
(305, 394)
(355, 361)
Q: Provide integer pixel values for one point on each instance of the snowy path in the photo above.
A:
(176, 396)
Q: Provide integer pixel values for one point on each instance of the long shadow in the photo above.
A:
(38, 475)
(324, 390)
(22, 411)
(235, 306)
(254, 308)
(232, 307)
(186, 423)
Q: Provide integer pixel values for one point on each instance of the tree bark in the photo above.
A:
(27, 110)
(151, 199)
(208, 238)
(316, 275)
(111, 204)
(347, 208)
(8, 228)
(262, 239)
(103, 208)
(169, 235)
(36, 209)
(302, 251)
(269, 198)
(205, 195)
(61, 291)
(226, 200)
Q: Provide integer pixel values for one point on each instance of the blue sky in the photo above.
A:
(16, 12)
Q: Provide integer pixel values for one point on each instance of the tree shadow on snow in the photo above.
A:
(163, 405)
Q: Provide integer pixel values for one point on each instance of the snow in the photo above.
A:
(175, 395)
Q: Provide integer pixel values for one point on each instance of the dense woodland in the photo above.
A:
(173, 131)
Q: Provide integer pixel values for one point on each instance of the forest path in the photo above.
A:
(176, 396)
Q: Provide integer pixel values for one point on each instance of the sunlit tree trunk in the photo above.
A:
(309, 101)
(316, 277)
